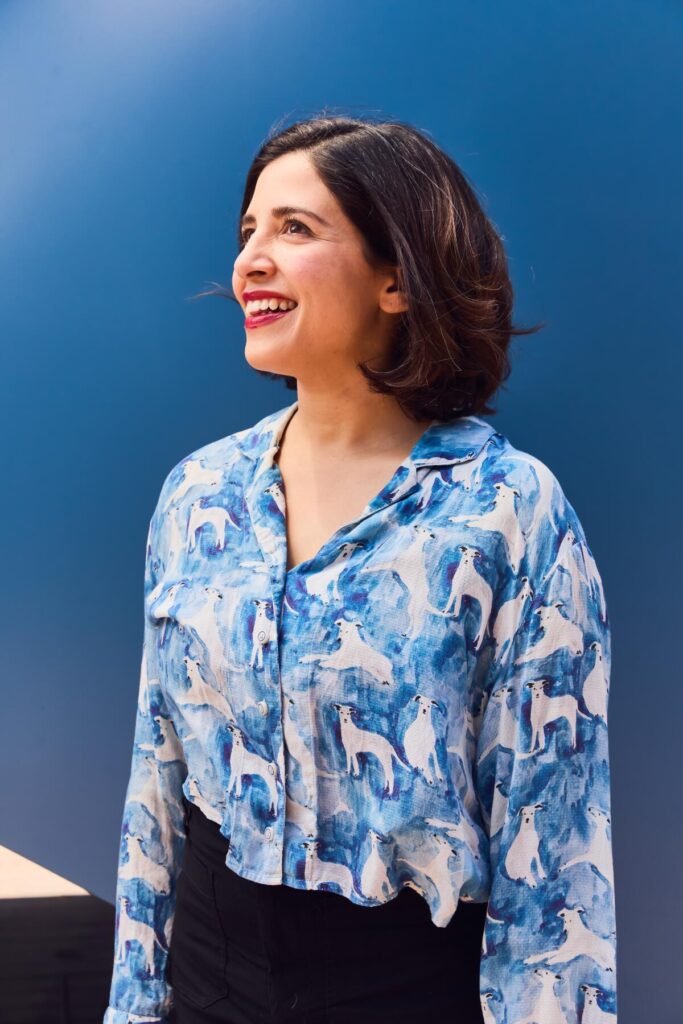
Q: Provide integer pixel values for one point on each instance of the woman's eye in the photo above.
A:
(247, 232)
(291, 220)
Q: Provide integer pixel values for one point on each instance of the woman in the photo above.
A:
(370, 776)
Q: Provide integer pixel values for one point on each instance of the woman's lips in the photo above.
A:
(261, 319)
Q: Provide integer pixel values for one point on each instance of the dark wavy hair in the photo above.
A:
(416, 211)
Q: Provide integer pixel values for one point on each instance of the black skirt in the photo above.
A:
(243, 952)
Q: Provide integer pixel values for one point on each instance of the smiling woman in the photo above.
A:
(369, 199)
(370, 776)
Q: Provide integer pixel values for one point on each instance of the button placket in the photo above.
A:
(266, 502)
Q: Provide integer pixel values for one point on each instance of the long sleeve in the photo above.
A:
(152, 831)
(542, 776)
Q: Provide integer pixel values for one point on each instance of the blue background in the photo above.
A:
(127, 130)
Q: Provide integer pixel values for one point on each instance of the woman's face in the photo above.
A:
(345, 312)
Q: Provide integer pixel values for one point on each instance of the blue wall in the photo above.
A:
(127, 129)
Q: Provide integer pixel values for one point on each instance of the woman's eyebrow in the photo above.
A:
(285, 211)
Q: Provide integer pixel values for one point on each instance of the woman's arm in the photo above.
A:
(543, 779)
(152, 830)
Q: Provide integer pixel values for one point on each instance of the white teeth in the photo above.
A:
(258, 305)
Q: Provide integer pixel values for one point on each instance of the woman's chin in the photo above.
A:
(267, 358)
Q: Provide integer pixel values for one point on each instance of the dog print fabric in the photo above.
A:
(423, 702)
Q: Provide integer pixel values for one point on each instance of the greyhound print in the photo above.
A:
(356, 741)
(354, 652)
(467, 581)
(202, 515)
(319, 872)
(419, 740)
(578, 941)
(194, 475)
(598, 852)
(438, 873)
(132, 930)
(523, 852)
(592, 1013)
(553, 625)
(319, 585)
(374, 878)
(245, 762)
(546, 709)
(139, 865)
(502, 519)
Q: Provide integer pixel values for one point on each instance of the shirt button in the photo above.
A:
(271, 769)
(263, 707)
(268, 833)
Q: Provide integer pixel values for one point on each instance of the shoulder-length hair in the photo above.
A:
(416, 211)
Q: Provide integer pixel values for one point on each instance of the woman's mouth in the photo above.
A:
(256, 317)
(261, 319)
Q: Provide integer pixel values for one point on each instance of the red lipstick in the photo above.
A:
(263, 319)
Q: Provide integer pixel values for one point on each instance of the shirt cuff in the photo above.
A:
(114, 1016)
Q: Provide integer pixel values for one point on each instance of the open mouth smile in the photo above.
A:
(256, 317)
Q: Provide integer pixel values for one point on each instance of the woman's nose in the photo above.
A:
(253, 257)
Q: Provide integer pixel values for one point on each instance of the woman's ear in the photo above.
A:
(393, 299)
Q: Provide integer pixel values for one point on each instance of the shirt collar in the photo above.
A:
(441, 444)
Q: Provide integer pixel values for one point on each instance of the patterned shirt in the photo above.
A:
(422, 702)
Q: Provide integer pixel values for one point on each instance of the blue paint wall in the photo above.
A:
(127, 129)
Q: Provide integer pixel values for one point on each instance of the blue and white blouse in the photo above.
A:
(423, 702)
